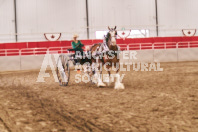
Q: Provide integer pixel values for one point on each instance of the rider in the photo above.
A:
(77, 45)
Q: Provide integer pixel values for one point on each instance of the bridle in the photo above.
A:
(109, 36)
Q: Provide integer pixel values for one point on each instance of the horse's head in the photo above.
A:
(111, 36)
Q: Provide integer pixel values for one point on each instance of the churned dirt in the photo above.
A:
(151, 101)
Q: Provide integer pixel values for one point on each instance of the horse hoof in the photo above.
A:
(119, 85)
(101, 84)
(109, 83)
(60, 84)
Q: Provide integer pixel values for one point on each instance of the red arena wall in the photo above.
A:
(29, 48)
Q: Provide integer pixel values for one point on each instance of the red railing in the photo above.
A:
(131, 46)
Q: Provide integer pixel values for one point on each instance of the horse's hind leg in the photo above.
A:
(118, 84)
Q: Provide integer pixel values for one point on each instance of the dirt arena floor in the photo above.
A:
(151, 101)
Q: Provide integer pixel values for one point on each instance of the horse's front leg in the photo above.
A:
(99, 75)
(118, 84)
(109, 80)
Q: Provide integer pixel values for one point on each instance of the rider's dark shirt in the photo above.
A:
(77, 46)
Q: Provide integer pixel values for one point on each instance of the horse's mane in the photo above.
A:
(107, 37)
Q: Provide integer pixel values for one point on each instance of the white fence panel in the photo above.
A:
(144, 56)
(165, 55)
(31, 62)
(10, 63)
(188, 54)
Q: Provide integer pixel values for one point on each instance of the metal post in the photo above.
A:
(156, 15)
(87, 16)
(15, 21)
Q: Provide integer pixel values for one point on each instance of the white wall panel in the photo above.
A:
(175, 15)
(131, 14)
(46, 16)
(35, 17)
(7, 21)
